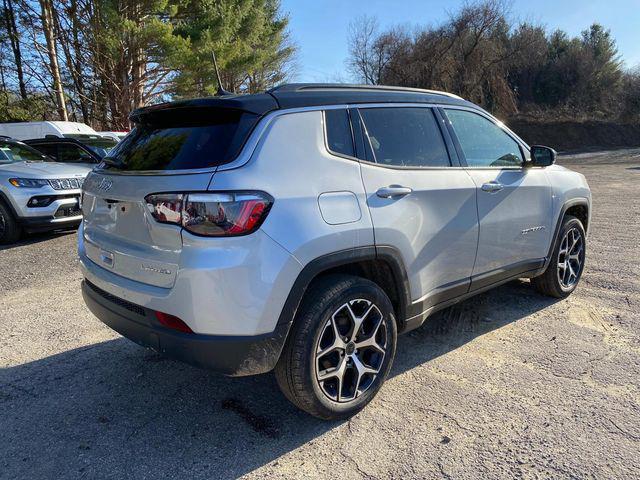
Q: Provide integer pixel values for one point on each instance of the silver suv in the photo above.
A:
(36, 193)
(303, 228)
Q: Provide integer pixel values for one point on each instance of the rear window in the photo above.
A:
(182, 139)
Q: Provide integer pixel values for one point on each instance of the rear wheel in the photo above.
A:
(9, 228)
(340, 348)
(567, 262)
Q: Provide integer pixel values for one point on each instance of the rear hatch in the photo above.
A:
(158, 156)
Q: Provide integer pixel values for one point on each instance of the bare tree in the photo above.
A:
(467, 55)
(48, 27)
(14, 39)
(365, 61)
(70, 20)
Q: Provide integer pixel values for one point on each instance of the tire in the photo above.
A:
(560, 282)
(9, 228)
(309, 380)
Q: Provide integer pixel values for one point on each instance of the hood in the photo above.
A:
(44, 170)
(557, 167)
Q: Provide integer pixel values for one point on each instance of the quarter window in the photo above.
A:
(339, 138)
(483, 143)
(405, 137)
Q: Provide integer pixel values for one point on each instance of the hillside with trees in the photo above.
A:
(521, 72)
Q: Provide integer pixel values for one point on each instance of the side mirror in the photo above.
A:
(542, 156)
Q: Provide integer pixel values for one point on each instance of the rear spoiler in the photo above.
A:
(259, 104)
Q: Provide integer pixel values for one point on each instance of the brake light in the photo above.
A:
(219, 214)
(173, 322)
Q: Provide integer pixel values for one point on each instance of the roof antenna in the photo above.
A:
(221, 91)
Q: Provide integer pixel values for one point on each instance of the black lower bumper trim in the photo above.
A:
(41, 224)
(229, 355)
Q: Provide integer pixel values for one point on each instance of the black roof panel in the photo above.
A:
(297, 95)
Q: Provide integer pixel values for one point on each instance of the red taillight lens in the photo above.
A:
(173, 322)
(221, 214)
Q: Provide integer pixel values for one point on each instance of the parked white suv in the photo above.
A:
(302, 229)
(36, 193)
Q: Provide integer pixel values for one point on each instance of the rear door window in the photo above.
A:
(405, 137)
(339, 138)
(178, 139)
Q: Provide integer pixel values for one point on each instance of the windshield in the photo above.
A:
(100, 151)
(183, 139)
(97, 144)
(14, 152)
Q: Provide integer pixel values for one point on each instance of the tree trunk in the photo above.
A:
(138, 78)
(138, 63)
(70, 43)
(14, 38)
(49, 34)
(78, 66)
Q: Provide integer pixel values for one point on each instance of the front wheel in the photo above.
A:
(340, 348)
(567, 261)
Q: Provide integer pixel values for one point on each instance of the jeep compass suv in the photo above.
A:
(304, 228)
(36, 194)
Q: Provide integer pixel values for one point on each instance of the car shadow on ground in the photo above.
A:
(114, 409)
(37, 237)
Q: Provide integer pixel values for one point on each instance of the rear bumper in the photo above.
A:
(229, 355)
(233, 286)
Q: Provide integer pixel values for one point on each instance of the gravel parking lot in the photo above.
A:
(508, 384)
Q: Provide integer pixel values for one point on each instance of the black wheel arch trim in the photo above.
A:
(388, 254)
(4, 199)
(574, 202)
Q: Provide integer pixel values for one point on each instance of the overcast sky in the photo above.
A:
(320, 27)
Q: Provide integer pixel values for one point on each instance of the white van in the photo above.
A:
(28, 130)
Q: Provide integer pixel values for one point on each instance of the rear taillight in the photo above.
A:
(220, 214)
